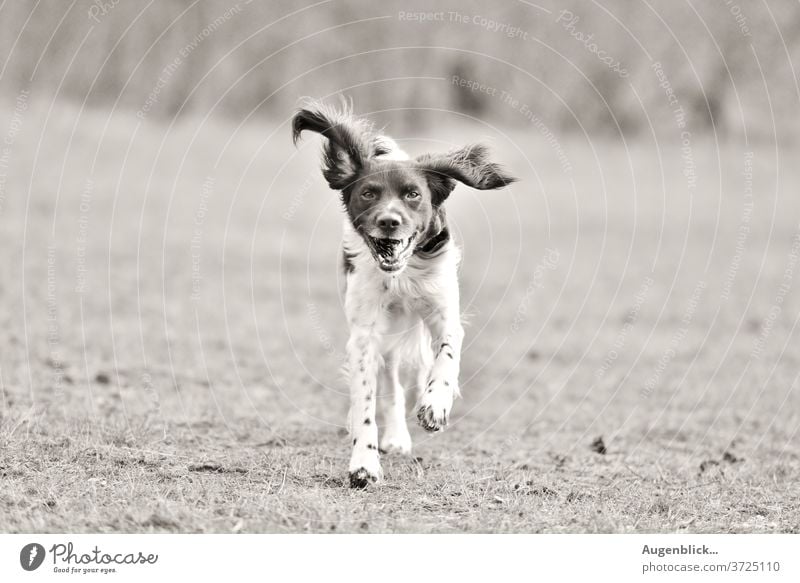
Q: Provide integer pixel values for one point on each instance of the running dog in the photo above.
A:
(400, 268)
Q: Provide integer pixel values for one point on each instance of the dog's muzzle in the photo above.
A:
(391, 254)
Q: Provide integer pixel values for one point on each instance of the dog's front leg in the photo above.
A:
(447, 334)
(363, 363)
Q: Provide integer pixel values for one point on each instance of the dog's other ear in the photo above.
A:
(469, 165)
(350, 141)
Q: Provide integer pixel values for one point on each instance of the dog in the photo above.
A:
(401, 280)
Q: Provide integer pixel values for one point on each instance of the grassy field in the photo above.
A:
(171, 337)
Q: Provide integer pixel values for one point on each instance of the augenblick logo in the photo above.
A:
(67, 560)
(31, 556)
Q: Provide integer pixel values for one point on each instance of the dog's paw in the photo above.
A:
(365, 467)
(434, 406)
(361, 478)
(396, 442)
(432, 419)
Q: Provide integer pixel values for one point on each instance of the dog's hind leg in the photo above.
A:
(395, 438)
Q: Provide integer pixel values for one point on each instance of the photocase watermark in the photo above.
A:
(32, 556)
(322, 334)
(630, 319)
(100, 9)
(527, 113)
(172, 67)
(421, 16)
(478, 20)
(780, 295)
(677, 339)
(672, 97)
(548, 262)
(84, 208)
(689, 165)
(195, 244)
(162, 81)
(509, 442)
(738, 15)
(506, 29)
(152, 394)
(14, 128)
(743, 232)
(297, 200)
(520, 107)
(569, 22)
(474, 86)
(53, 333)
(678, 113)
(66, 560)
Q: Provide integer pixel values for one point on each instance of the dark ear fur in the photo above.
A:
(350, 141)
(469, 165)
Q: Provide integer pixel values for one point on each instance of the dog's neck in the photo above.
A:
(437, 235)
(434, 244)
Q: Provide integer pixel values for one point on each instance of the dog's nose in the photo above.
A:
(389, 221)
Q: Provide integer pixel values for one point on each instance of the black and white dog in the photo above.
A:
(400, 264)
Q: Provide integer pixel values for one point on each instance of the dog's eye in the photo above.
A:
(412, 194)
(368, 195)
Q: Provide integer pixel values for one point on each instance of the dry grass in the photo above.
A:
(139, 409)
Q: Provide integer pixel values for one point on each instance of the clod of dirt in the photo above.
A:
(577, 496)
(599, 446)
(102, 378)
(559, 460)
(124, 462)
(707, 464)
(731, 458)
(728, 457)
(543, 491)
(215, 468)
(530, 490)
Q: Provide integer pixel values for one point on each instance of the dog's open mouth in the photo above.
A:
(391, 254)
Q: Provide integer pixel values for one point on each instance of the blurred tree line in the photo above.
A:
(727, 63)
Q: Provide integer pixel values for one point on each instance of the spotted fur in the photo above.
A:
(400, 269)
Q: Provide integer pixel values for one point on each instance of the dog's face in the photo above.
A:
(395, 205)
(391, 206)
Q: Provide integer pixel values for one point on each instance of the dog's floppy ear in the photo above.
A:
(350, 141)
(469, 165)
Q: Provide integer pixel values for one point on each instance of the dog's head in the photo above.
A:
(394, 204)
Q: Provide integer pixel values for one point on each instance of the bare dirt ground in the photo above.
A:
(171, 336)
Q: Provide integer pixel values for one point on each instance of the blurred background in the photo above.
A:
(726, 60)
(169, 260)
